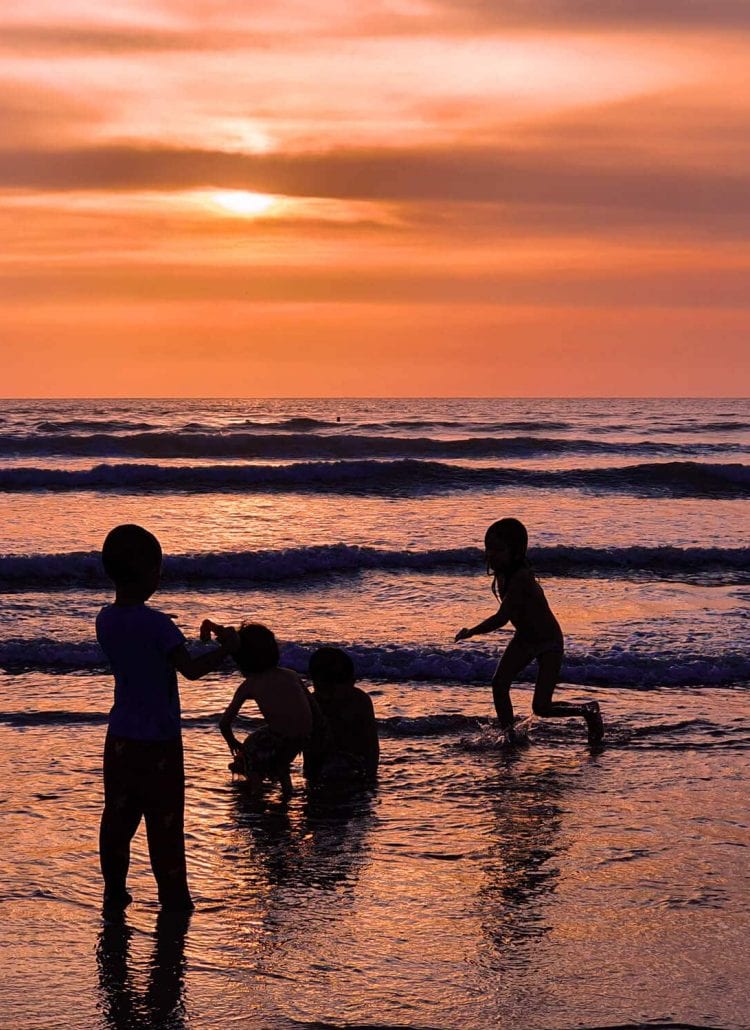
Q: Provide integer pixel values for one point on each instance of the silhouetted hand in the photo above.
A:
(463, 634)
(228, 637)
(207, 628)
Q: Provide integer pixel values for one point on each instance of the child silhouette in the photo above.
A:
(538, 634)
(143, 763)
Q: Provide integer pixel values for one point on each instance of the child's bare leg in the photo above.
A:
(120, 818)
(118, 825)
(164, 803)
(547, 678)
(514, 660)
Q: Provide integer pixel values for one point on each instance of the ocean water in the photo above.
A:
(552, 886)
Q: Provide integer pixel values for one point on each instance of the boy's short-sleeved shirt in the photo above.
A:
(138, 642)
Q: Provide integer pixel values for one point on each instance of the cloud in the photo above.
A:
(556, 175)
(595, 15)
(32, 113)
(63, 40)
(43, 28)
(685, 126)
(179, 26)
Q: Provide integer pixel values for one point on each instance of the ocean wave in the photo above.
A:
(393, 726)
(306, 424)
(389, 478)
(630, 669)
(473, 733)
(355, 476)
(725, 426)
(403, 664)
(90, 425)
(469, 425)
(297, 445)
(295, 424)
(84, 569)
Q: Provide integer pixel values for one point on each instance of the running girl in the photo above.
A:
(538, 634)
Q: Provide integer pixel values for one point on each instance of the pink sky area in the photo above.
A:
(387, 197)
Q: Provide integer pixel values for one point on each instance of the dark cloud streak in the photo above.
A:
(555, 177)
(595, 15)
(64, 40)
(442, 18)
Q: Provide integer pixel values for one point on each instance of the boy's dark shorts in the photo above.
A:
(144, 775)
(268, 754)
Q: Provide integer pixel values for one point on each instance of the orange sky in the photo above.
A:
(387, 197)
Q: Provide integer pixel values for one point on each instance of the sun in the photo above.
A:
(239, 202)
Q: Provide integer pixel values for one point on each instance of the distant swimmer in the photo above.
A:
(538, 634)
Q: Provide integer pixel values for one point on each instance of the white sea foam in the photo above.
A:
(399, 663)
(83, 568)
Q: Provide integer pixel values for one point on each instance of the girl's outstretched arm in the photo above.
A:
(496, 621)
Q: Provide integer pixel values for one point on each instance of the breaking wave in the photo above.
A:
(670, 479)
(83, 568)
(402, 664)
(86, 425)
(393, 726)
(192, 443)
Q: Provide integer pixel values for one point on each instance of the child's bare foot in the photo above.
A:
(115, 902)
(594, 722)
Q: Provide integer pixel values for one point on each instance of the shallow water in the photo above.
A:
(550, 886)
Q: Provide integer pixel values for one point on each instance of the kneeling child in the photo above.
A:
(283, 702)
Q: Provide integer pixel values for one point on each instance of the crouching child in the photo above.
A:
(267, 753)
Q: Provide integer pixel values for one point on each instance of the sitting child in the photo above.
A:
(282, 699)
(352, 751)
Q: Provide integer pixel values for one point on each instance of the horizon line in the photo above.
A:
(382, 397)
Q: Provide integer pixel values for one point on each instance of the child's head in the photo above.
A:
(505, 544)
(258, 651)
(131, 557)
(331, 667)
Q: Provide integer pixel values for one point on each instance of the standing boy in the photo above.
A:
(143, 763)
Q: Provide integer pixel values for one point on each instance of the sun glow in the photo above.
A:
(238, 202)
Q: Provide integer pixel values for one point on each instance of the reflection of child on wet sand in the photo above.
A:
(283, 702)
(538, 634)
